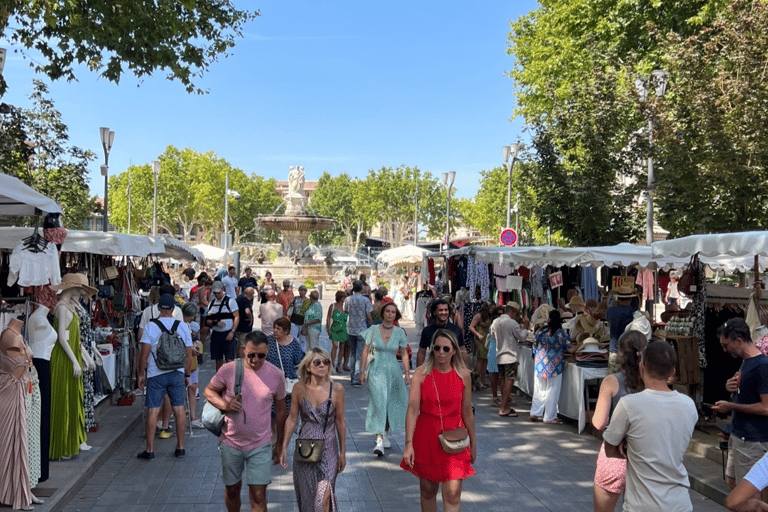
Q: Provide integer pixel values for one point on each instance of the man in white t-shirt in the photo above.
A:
(746, 496)
(230, 282)
(652, 430)
(159, 382)
(223, 317)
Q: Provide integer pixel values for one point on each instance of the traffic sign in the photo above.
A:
(508, 237)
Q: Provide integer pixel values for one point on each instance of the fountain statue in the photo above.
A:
(296, 224)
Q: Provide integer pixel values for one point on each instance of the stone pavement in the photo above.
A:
(521, 466)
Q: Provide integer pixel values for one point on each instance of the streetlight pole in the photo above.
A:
(416, 213)
(156, 173)
(517, 219)
(130, 180)
(448, 179)
(657, 80)
(226, 213)
(107, 138)
(508, 151)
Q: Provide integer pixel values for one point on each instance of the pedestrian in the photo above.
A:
(230, 282)
(359, 309)
(246, 281)
(158, 381)
(508, 335)
(320, 403)
(245, 314)
(611, 473)
(190, 313)
(441, 319)
(313, 320)
(493, 367)
(479, 326)
(336, 325)
(619, 317)
(652, 430)
(387, 396)
(267, 284)
(378, 301)
(244, 445)
(295, 311)
(749, 424)
(440, 400)
(269, 312)
(550, 343)
(285, 296)
(285, 353)
(223, 317)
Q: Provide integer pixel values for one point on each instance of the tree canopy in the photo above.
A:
(182, 38)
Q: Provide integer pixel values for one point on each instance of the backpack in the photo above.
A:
(171, 352)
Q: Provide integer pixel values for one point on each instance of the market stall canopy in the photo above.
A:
(748, 243)
(109, 244)
(405, 255)
(210, 252)
(18, 199)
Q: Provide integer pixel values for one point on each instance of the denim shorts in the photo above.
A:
(256, 464)
(170, 382)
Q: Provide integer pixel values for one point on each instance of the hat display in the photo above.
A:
(591, 345)
(624, 292)
(217, 287)
(514, 305)
(75, 281)
(166, 302)
(576, 302)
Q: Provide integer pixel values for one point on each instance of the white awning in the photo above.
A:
(18, 199)
(748, 243)
(404, 255)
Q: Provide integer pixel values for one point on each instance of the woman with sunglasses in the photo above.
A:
(320, 402)
(387, 396)
(440, 399)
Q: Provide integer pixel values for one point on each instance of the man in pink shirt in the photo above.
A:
(245, 439)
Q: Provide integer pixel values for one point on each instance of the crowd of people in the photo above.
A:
(285, 386)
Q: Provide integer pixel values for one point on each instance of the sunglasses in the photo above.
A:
(253, 355)
(318, 362)
(446, 348)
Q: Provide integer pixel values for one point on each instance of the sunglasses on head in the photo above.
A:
(318, 362)
(253, 355)
(446, 348)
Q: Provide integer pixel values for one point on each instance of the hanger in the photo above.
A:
(35, 242)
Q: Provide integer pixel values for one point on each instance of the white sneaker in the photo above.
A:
(197, 424)
(379, 448)
(387, 444)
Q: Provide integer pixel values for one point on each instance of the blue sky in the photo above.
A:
(333, 86)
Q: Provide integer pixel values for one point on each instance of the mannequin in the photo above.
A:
(42, 339)
(68, 433)
(14, 457)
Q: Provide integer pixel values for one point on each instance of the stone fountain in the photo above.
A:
(295, 224)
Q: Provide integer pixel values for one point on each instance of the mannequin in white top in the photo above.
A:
(65, 312)
(42, 337)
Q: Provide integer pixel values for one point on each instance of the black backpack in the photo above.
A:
(171, 352)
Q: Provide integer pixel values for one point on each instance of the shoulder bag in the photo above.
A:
(455, 440)
(687, 283)
(311, 450)
(289, 383)
(296, 317)
(213, 417)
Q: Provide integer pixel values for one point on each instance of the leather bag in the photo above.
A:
(688, 282)
(213, 417)
(311, 450)
(452, 441)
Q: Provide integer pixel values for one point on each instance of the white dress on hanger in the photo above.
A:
(34, 268)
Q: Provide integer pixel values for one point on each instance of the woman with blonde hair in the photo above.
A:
(440, 400)
(320, 402)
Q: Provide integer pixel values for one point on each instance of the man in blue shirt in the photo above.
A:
(441, 316)
(619, 317)
(749, 426)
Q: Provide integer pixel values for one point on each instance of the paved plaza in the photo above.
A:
(521, 466)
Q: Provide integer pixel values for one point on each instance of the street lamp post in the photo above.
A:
(130, 180)
(107, 138)
(657, 80)
(235, 195)
(508, 151)
(416, 213)
(448, 179)
(156, 173)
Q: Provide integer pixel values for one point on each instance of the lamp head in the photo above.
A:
(452, 176)
(505, 150)
(107, 137)
(156, 168)
(659, 77)
(104, 170)
(514, 149)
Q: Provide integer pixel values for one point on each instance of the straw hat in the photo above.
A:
(75, 281)
(576, 303)
(591, 345)
(513, 305)
(624, 292)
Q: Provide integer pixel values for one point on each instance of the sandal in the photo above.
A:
(535, 418)
(553, 422)
(512, 414)
(496, 402)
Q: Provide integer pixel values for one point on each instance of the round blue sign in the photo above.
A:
(508, 237)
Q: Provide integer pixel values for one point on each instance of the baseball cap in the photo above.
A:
(217, 287)
(166, 302)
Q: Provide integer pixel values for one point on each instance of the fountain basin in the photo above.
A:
(295, 230)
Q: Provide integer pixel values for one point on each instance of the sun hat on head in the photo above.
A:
(77, 280)
(513, 305)
(624, 292)
(576, 302)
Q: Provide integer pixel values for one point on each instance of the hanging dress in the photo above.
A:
(88, 342)
(34, 406)
(67, 401)
(14, 455)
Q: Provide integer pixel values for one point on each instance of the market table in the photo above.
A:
(572, 403)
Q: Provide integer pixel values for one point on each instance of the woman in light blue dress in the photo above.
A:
(387, 381)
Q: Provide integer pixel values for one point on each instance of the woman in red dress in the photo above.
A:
(440, 399)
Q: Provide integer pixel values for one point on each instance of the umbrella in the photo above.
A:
(18, 199)
(405, 255)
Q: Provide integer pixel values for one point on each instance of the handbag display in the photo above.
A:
(289, 383)
(687, 283)
(311, 450)
(213, 417)
(455, 440)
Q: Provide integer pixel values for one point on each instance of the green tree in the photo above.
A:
(183, 37)
(339, 198)
(712, 158)
(33, 148)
